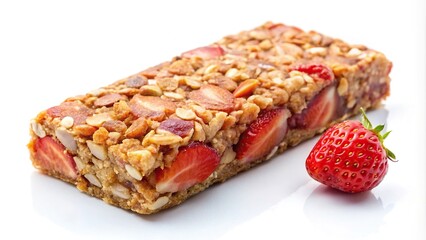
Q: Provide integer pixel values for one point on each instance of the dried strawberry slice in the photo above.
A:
(205, 52)
(213, 98)
(151, 107)
(262, 135)
(321, 109)
(193, 164)
(177, 126)
(50, 156)
(78, 111)
(316, 71)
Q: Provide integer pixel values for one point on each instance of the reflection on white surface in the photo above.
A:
(327, 209)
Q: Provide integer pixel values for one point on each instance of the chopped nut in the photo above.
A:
(161, 139)
(193, 83)
(115, 126)
(93, 179)
(265, 44)
(98, 119)
(258, 34)
(142, 159)
(186, 114)
(231, 73)
(121, 110)
(145, 140)
(113, 138)
(173, 95)
(250, 112)
(211, 69)
(151, 90)
(343, 87)
(159, 203)
(97, 150)
(67, 122)
(168, 84)
(228, 156)
(317, 51)
(84, 130)
(137, 129)
(38, 129)
(100, 136)
(66, 139)
(133, 172)
(199, 134)
(120, 191)
(181, 67)
(229, 122)
(354, 52)
(261, 101)
(293, 84)
(215, 125)
(246, 88)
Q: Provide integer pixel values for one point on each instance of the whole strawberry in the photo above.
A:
(350, 156)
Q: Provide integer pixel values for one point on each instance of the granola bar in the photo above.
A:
(152, 140)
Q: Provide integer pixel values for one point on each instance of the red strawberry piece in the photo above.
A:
(206, 52)
(262, 135)
(51, 156)
(78, 111)
(177, 126)
(316, 71)
(350, 156)
(321, 110)
(213, 97)
(193, 164)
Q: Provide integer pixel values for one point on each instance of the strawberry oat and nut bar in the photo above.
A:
(150, 141)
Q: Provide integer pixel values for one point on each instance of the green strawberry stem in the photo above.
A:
(367, 124)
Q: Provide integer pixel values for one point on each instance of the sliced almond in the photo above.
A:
(213, 97)
(168, 139)
(66, 138)
(246, 88)
(151, 90)
(228, 156)
(93, 179)
(186, 114)
(38, 129)
(159, 203)
(97, 150)
(79, 163)
(120, 191)
(133, 172)
(98, 119)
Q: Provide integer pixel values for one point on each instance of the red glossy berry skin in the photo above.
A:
(348, 157)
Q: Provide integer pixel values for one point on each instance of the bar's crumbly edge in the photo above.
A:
(117, 135)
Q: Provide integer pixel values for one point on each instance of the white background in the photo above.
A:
(50, 50)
